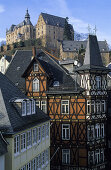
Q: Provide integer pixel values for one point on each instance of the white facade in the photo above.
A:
(3, 64)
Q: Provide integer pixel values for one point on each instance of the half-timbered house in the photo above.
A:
(77, 111)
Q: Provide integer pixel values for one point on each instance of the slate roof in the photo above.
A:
(53, 20)
(24, 22)
(3, 146)
(56, 73)
(17, 66)
(8, 58)
(11, 120)
(72, 46)
(92, 58)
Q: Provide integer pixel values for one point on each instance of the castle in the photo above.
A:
(20, 32)
(49, 29)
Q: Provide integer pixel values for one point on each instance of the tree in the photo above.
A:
(68, 31)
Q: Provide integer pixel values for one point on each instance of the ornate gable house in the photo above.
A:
(20, 32)
(77, 111)
(50, 29)
(25, 128)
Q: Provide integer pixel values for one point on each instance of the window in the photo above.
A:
(29, 140)
(65, 131)
(65, 156)
(36, 67)
(98, 106)
(43, 159)
(38, 103)
(92, 106)
(23, 108)
(33, 106)
(39, 134)
(23, 142)
(102, 130)
(29, 166)
(97, 156)
(91, 157)
(98, 82)
(43, 132)
(34, 136)
(35, 85)
(39, 161)
(23, 168)
(88, 107)
(103, 107)
(65, 106)
(97, 131)
(17, 144)
(47, 130)
(47, 156)
(34, 164)
(28, 107)
(43, 106)
(90, 133)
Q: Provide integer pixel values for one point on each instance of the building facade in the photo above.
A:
(71, 50)
(77, 111)
(25, 128)
(4, 62)
(20, 32)
(50, 29)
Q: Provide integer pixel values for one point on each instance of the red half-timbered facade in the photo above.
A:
(77, 111)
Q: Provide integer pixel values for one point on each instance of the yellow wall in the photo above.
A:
(15, 162)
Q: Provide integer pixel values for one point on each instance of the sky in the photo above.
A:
(81, 13)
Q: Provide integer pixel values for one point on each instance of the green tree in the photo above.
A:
(68, 31)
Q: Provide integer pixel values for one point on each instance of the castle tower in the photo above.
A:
(27, 16)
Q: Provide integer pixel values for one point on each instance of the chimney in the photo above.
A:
(33, 52)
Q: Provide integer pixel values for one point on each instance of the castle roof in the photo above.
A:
(11, 120)
(53, 20)
(72, 46)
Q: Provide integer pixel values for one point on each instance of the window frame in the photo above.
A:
(64, 105)
(35, 85)
(98, 82)
(22, 142)
(28, 107)
(44, 105)
(36, 66)
(65, 130)
(29, 142)
(66, 154)
(17, 145)
(24, 111)
(34, 136)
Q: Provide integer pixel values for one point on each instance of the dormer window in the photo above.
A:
(28, 107)
(36, 67)
(23, 108)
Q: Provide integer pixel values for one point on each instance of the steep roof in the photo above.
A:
(56, 73)
(53, 20)
(17, 66)
(3, 145)
(11, 119)
(92, 58)
(72, 46)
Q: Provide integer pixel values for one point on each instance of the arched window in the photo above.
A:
(35, 85)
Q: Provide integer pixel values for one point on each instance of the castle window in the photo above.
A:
(98, 82)
(36, 67)
(35, 85)
(65, 106)
(65, 131)
(66, 156)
